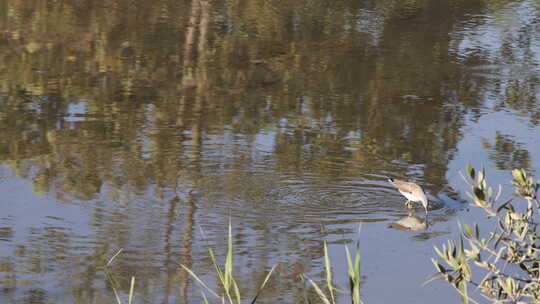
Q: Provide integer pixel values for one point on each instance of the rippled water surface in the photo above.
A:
(147, 125)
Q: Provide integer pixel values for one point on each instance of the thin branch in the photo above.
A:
(464, 295)
(114, 256)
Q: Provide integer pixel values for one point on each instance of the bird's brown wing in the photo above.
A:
(406, 186)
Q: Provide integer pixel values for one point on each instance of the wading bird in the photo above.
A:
(411, 191)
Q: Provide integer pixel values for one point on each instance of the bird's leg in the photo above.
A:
(409, 204)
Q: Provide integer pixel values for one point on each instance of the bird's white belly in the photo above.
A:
(410, 196)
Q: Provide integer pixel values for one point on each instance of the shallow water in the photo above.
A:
(147, 126)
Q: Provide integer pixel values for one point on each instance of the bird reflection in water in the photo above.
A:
(410, 223)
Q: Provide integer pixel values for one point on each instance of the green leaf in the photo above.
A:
(319, 292)
(349, 261)
(199, 280)
(440, 268)
(510, 285)
(461, 247)
(131, 288)
(353, 270)
(113, 284)
(205, 300)
(525, 268)
(439, 253)
(518, 175)
(263, 284)
(229, 260)
(328, 269)
(481, 176)
(470, 171)
(236, 291)
(357, 259)
(462, 287)
(466, 270)
(479, 193)
(468, 230)
(218, 269)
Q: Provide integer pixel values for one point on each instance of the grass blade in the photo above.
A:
(462, 286)
(304, 290)
(229, 260)
(114, 256)
(218, 269)
(319, 292)
(131, 288)
(263, 284)
(236, 291)
(328, 269)
(353, 270)
(113, 285)
(349, 260)
(205, 300)
(199, 280)
(117, 297)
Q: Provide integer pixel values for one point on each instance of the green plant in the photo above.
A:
(508, 257)
(226, 278)
(117, 296)
(353, 273)
(114, 284)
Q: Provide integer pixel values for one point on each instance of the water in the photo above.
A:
(146, 126)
